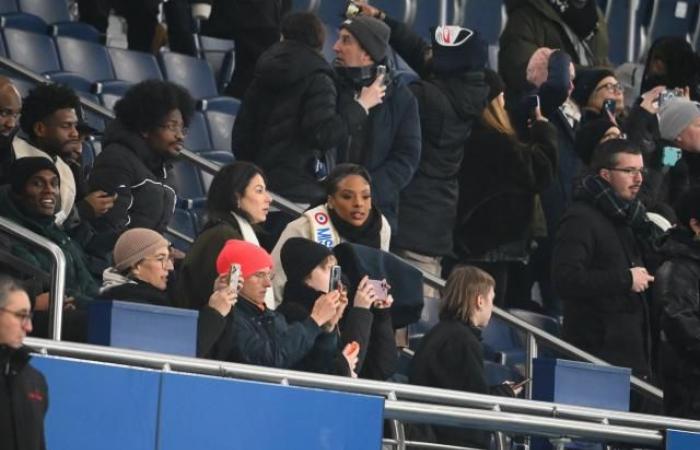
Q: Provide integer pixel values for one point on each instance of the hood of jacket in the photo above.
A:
(287, 63)
(467, 92)
(111, 277)
(10, 209)
(680, 242)
(117, 133)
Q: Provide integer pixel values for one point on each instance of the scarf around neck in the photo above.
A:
(368, 234)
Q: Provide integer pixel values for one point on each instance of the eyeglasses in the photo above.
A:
(164, 260)
(175, 128)
(24, 317)
(630, 170)
(269, 276)
(6, 113)
(611, 87)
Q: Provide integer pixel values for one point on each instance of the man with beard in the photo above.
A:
(139, 145)
(10, 107)
(384, 135)
(599, 260)
(50, 124)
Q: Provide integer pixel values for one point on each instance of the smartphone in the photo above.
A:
(532, 102)
(233, 275)
(670, 156)
(381, 71)
(609, 105)
(522, 383)
(380, 289)
(334, 281)
(351, 9)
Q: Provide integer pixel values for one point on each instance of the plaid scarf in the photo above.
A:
(598, 192)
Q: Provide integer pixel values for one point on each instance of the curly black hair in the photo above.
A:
(145, 105)
(44, 100)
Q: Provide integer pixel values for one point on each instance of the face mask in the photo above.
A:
(359, 77)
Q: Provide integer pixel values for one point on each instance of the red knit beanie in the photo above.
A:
(251, 258)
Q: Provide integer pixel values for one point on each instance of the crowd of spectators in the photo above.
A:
(539, 173)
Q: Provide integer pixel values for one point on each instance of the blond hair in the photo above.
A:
(464, 285)
(495, 116)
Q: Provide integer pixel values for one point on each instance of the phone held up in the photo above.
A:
(234, 275)
(334, 282)
(609, 105)
(381, 71)
(381, 290)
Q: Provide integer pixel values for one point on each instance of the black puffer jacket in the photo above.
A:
(24, 398)
(677, 302)
(499, 180)
(288, 117)
(140, 177)
(447, 108)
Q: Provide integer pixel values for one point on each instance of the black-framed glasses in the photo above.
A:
(162, 259)
(175, 128)
(610, 87)
(24, 317)
(630, 170)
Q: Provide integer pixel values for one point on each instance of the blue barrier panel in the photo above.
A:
(213, 413)
(682, 440)
(98, 406)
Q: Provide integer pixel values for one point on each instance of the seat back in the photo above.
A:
(22, 21)
(51, 11)
(181, 222)
(8, 6)
(671, 18)
(186, 178)
(485, 17)
(191, 73)
(88, 59)
(220, 126)
(134, 66)
(34, 51)
(197, 138)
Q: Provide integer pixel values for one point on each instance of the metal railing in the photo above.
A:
(409, 403)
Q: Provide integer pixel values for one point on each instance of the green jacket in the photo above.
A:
(79, 282)
(533, 24)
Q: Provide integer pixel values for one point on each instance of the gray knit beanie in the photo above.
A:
(372, 34)
(675, 115)
(134, 245)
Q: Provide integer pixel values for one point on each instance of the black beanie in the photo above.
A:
(589, 135)
(24, 168)
(372, 34)
(457, 49)
(585, 83)
(495, 82)
(300, 256)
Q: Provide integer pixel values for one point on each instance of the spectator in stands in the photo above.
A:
(141, 19)
(50, 122)
(237, 202)
(592, 88)
(23, 389)
(10, 108)
(348, 214)
(451, 356)
(260, 335)
(574, 26)
(142, 264)
(671, 62)
(384, 131)
(288, 123)
(148, 132)
(32, 201)
(254, 26)
(366, 320)
(593, 133)
(677, 302)
(599, 265)
(501, 177)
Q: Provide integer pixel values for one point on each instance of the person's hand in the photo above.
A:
(100, 202)
(640, 279)
(537, 117)
(686, 93)
(368, 10)
(69, 304)
(325, 308)
(650, 99)
(224, 296)
(517, 389)
(384, 304)
(372, 95)
(342, 304)
(41, 302)
(351, 353)
(364, 296)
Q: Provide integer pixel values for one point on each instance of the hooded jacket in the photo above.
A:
(24, 397)
(288, 120)
(141, 178)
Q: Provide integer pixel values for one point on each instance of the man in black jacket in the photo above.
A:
(599, 260)
(10, 107)
(384, 133)
(23, 389)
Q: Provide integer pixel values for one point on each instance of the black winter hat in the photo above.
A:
(372, 34)
(585, 83)
(300, 256)
(495, 82)
(457, 49)
(24, 168)
(589, 135)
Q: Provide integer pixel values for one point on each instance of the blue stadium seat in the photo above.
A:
(183, 223)
(88, 59)
(3, 50)
(134, 66)
(8, 6)
(108, 100)
(22, 21)
(671, 18)
(221, 158)
(23, 86)
(51, 11)
(619, 12)
(186, 178)
(34, 51)
(484, 16)
(500, 340)
(214, 51)
(95, 120)
(192, 73)
(498, 373)
(75, 81)
(88, 154)
(226, 71)
(392, 8)
(77, 30)
(331, 38)
(331, 13)
(197, 138)
(220, 126)
(426, 17)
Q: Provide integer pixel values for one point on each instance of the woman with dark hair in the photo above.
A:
(347, 216)
(237, 200)
(499, 212)
(451, 356)
(672, 63)
(676, 298)
(139, 144)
